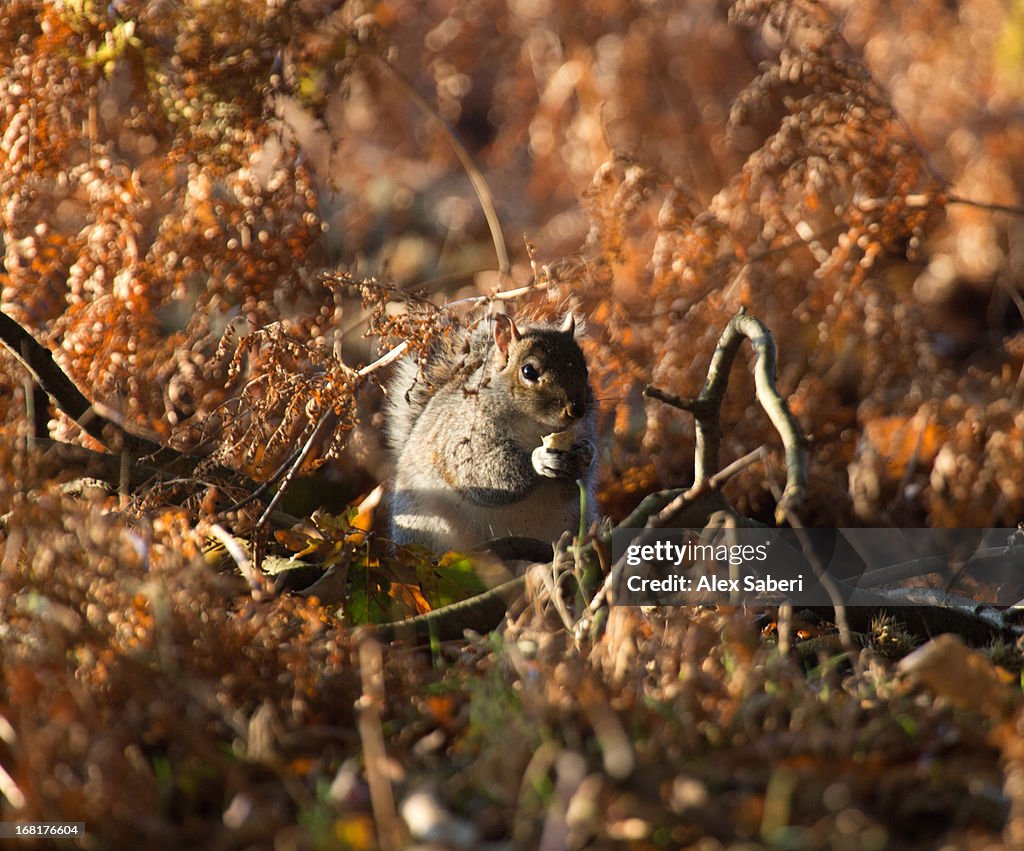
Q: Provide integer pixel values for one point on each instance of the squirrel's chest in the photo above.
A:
(550, 508)
(429, 511)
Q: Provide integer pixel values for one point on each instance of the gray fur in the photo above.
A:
(465, 433)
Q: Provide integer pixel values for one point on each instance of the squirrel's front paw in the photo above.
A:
(563, 463)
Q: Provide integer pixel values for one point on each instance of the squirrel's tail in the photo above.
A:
(406, 399)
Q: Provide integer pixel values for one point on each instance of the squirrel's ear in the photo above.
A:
(505, 333)
(568, 324)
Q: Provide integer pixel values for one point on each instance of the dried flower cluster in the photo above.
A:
(148, 200)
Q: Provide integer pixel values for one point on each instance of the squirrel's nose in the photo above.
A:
(574, 410)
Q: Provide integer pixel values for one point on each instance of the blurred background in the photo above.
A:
(173, 170)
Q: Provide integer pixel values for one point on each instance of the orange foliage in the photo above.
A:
(177, 176)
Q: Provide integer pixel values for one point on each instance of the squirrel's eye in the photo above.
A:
(530, 372)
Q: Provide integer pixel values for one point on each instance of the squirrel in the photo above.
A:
(490, 436)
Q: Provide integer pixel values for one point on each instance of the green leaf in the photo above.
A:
(454, 578)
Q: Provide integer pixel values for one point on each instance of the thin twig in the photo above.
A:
(683, 403)
(375, 758)
(698, 503)
(1012, 209)
(506, 295)
(833, 587)
(241, 559)
(784, 627)
(11, 791)
(737, 466)
(480, 613)
(327, 421)
(62, 391)
(483, 191)
(384, 360)
(266, 484)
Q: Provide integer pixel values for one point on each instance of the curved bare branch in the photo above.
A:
(707, 409)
